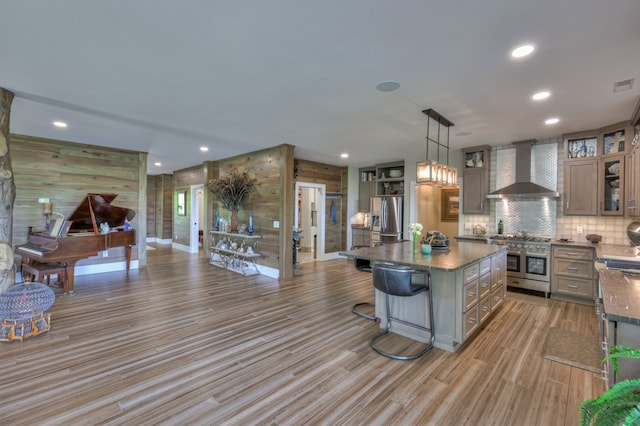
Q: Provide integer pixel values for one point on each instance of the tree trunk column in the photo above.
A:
(7, 194)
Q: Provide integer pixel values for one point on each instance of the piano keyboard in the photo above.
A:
(37, 250)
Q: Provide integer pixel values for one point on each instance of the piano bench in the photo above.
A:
(39, 270)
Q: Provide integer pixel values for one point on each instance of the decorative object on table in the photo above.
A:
(22, 308)
(231, 191)
(104, 228)
(426, 248)
(250, 223)
(416, 231)
(479, 230)
(594, 238)
(500, 227)
(437, 240)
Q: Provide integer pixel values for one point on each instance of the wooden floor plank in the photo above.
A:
(182, 342)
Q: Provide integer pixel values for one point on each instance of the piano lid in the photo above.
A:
(103, 211)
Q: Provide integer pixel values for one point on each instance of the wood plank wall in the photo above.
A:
(160, 206)
(265, 203)
(65, 172)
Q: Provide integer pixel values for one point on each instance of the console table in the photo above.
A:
(235, 252)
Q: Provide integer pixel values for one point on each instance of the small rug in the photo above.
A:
(572, 348)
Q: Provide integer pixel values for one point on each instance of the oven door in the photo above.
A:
(536, 267)
(514, 264)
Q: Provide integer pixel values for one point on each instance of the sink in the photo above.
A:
(622, 265)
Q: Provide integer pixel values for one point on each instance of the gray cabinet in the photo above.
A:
(573, 273)
(475, 179)
(361, 237)
(632, 182)
(580, 187)
(367, 188)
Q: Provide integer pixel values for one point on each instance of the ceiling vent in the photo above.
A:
(622, 85)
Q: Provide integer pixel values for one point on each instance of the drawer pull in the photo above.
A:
(572, 253)
(471, 294)
(485, 309)
(484, 285)
(572, 268)
(572, 286)
(472, 321)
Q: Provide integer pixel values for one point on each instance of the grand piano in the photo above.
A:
(83, 239)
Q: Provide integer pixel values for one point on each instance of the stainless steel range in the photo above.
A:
(528, 261)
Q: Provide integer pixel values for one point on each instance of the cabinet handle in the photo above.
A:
(572, 286)
(472, 321)
(572, 268)
(484, 285)
(571, 253)
(567, 205)
(485, 309)
(471, 294)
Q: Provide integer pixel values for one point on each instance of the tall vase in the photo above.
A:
(250, 223)
(415, 244)
(234, 221)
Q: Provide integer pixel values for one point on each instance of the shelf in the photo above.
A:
(235, 253)
(236, 235)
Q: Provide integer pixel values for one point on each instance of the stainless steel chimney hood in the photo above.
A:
(523, 188)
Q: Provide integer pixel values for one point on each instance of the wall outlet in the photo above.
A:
(43, 200)
(579, 229)
(276, 224)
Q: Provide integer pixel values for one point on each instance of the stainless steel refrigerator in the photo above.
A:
(386, 219)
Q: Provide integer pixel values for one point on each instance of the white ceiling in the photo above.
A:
(166, 76)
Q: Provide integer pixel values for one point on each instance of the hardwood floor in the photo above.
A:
(183, 342)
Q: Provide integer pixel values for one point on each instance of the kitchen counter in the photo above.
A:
(471, 238)
(620, 296)
(617, 252)
(459, 255)
(468, 284)
(355, 226)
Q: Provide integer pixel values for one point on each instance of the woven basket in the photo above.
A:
(22, 301)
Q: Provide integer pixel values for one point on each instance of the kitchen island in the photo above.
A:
(469, 284)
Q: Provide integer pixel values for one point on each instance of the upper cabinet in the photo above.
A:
(475, 179)
(632, 169)
(390, 178)
(594, 171)
(367, 188)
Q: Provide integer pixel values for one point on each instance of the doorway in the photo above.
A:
(196, 239)
(309, 219)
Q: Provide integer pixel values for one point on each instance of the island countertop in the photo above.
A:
(460, 254)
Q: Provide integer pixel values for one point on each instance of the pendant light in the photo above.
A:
(431, 172)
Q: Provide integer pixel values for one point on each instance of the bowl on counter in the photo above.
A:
(395, 173)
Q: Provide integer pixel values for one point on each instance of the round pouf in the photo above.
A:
(22, 309)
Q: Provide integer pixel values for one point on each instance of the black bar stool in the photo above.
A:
(402, 281)
(363, 265)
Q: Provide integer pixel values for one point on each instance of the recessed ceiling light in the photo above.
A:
(463, 134)
(344, 155)
(60, 124)
(522, 51)
(387, 86)
(541, 95)
(204, 149)
(552, 121)
(157, 163)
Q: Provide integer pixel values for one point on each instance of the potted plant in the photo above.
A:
(620, 405)
(231, 191)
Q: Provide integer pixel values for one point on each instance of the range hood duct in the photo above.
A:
(523, 188)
